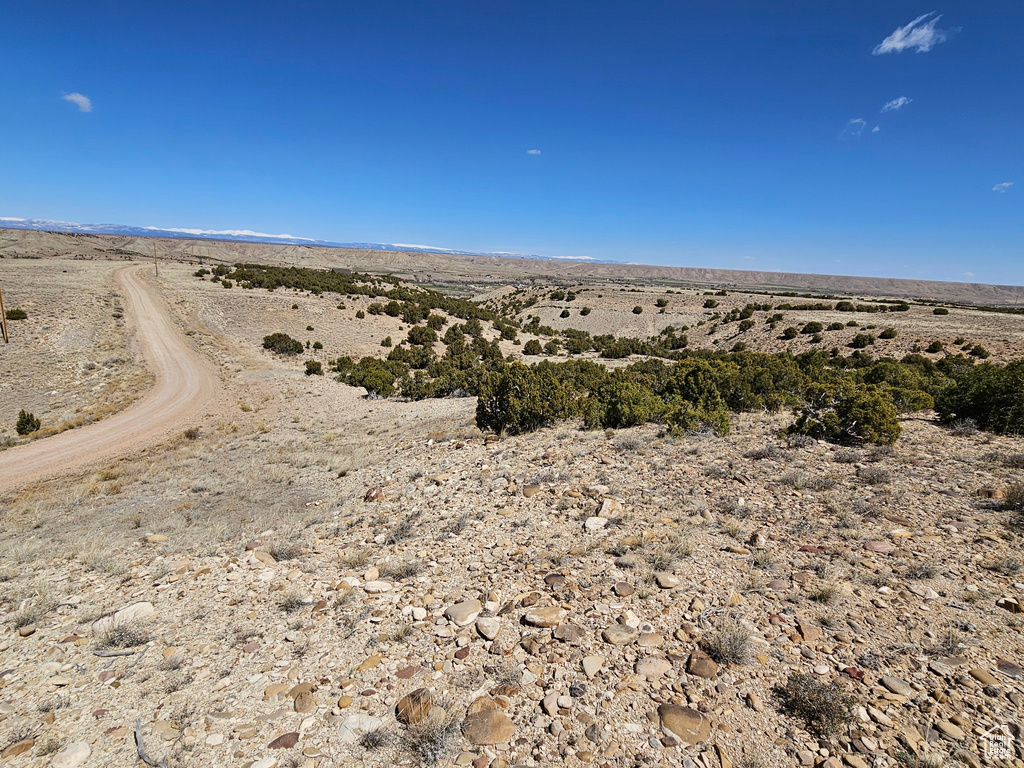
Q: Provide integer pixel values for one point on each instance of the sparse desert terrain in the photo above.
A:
(304, 576)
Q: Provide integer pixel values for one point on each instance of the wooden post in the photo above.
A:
(156, 264)
(3, 318)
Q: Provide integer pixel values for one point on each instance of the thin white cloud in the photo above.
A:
(876, 129)
(83, 102)
(533, 151)
(895, 104)
(921, 34)
(968, 274)
(854, 128)
(1002, 186)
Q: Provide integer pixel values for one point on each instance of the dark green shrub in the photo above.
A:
(386, 341)
(318, 345)
(532, 347)
(584, 311)
(436, 322)
(422, 336)
(812, 327)
(940, 311)
(551, 347)
(557, 295)
(517, 399)
(16, 314)
(888, 333)
(282, 344)
(862, 340)
(637, 309)
(790, 333)
(360, 314)
(834, 327)
(746, 325)
(660, 303)
(710, 303)
(27, 423)
(980, 352)
(309, 327)
(991, 395)
(564, 313)
(294, 306)
(314, 368)
(846, 413)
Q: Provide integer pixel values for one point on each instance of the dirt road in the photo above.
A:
(184, 384)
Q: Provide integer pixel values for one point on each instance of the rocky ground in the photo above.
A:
(316, 579)
(561, 597)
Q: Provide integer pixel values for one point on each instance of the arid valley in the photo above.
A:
(217, 554)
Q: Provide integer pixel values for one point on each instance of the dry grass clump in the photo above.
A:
(355, 557)
(291, 602)
(729, 643)
(128, 635)
(284, 550)
(874, 476)
(377, 739)
(403, 569)
(1006, 565)
(921, 569)
(824, 707)
(670, 553)
(826, 593)
(433, 739)
(33, 613)
(764, 452)
(801, 480)
(947, 642)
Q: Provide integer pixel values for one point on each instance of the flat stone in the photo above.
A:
(623, 589)
(265, 762)
(594, 524)
(285, 741)
(72, 755)
(548, 616)
(983, 676)
(413, 707)
(488, 726)
(17, 748)
(810, 632)
(666, 580)
(355, 726)
(569, 633)
(592, 665)
(685, 724)
(376, 587)
(653, 667)
(531, 489)
(620, 634)
(465, 612)
(897, 686)
(488, 627)
(1009, 669)
(879, 547)
(701, 665)
(305, 703)
(127, 615)
(950, 730)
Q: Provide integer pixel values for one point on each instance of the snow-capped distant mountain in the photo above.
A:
(248, 236)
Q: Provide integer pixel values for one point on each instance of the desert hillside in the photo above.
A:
(302, 575)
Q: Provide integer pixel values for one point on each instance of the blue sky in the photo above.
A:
(719, 134)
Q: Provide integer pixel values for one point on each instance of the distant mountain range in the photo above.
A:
(248, 236)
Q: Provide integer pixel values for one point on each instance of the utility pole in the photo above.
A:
(156, 264)
(3, 318)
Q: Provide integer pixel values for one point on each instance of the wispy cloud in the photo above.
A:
(83, 102)
(854, 128)
(533, 151)
(895, 104)
(1002, 186)
(921, 34)
(876, 129)
(968, 274)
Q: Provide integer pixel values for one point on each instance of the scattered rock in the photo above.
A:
(488, 726)
(72, 755)
(465, 612)
(413, 707)
(687, 725)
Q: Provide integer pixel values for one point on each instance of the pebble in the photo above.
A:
(72, 755)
